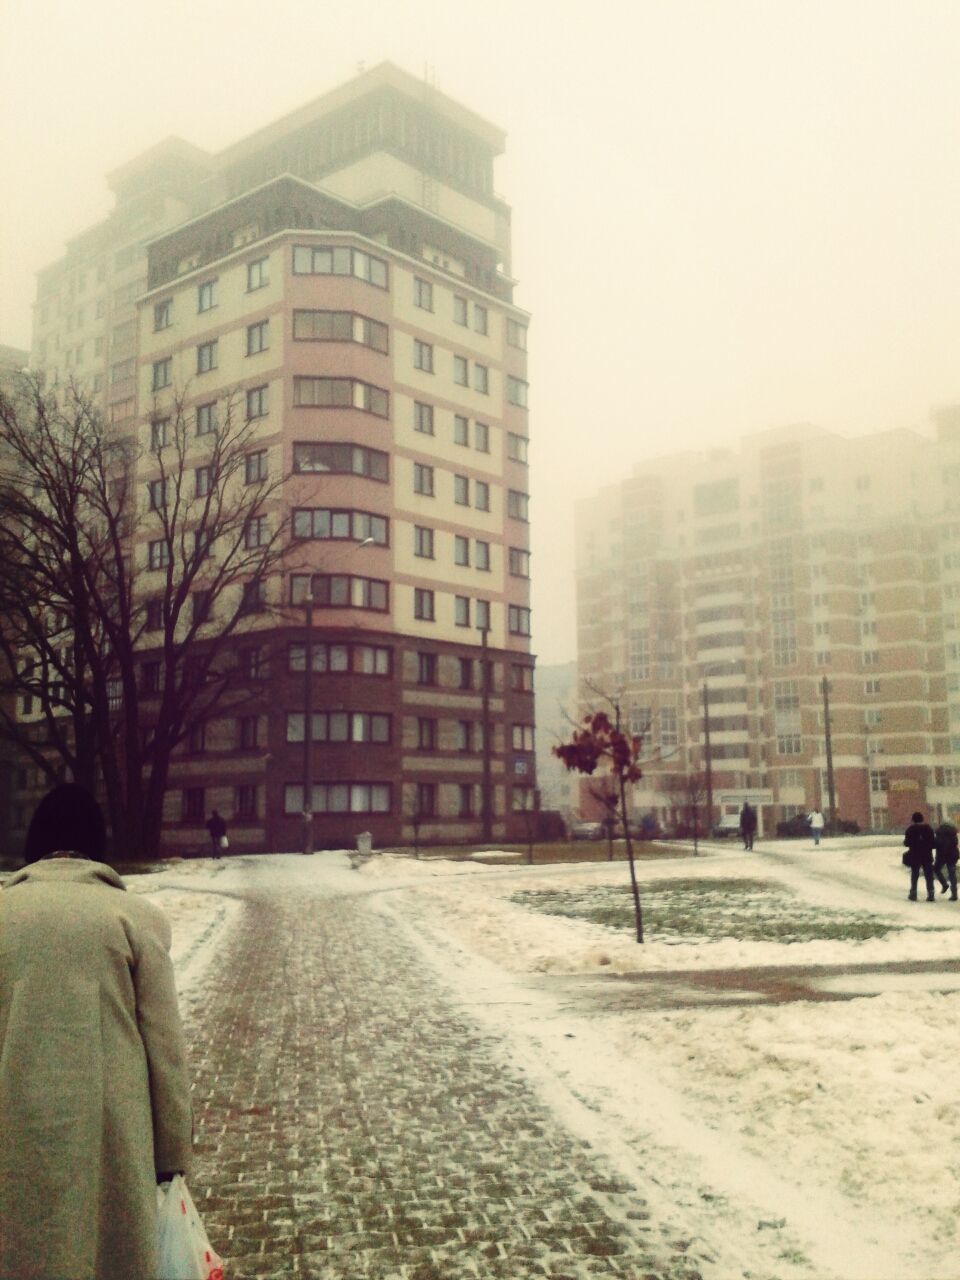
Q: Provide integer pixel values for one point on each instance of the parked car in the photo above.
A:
(586, 831)
(729, 825)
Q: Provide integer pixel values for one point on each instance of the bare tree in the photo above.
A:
(128, 569)
(690, 789)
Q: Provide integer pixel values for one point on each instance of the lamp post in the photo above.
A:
(707, 762)
(486, 807)
(828, 748)
(308, 710)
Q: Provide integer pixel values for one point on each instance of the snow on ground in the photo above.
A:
(832, 1124)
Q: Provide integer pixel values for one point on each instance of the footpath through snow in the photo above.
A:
(794, 1140)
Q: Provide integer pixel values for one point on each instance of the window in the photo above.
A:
(517, 391)
(159, 434)
(483, 615)
(340, 326)
(202, 606)
(245, 800)
(517, 335)
(878, 780)
(460, 371)
(464, 735)
(248, 729)
(423, 604)
(197, 738)
(426, 668)
(426, 800)
(521, 681)
(341, 591)
(150, 677)
(321, 260)
(461, 491)
(162, 314)
(255, 467)
(481, 495)
(871, 686)
(252, 662)
(465, 792)
(517, 447)
(254, 596)
(523, 737)
(154, 618)
(193, 806)
(207, 356)
(426, 734)
(256, 532)
(481, 378)
(422, 356)
(202, 478)
(482, 554)
(341, 393)
(162, 373)
(480, 318)
(461, 611)
(423, 479)
(258, 337)
(206, 295)
(336, 523)
(423, 542)
(206, 418)
(423, 418)
(518, 505)
(340, 459)
(519, 562)
(481, 437)
(459, 310)
(157, 490)
(461, 429)
(422, 294)
(258, 402)
(258, 274)
(461, 550)
(789, 744)
(158, 554)
(371, 660)
(518, 620)
(340, 726)
(872, 717)
(870, 657)
(466, 673)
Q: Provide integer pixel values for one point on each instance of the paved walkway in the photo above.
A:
(352, 1122)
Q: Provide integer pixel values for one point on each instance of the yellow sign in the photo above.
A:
(904, 784)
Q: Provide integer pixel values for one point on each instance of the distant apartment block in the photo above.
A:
(342, 279)
(749, 577)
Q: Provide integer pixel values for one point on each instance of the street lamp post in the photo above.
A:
(308, 709)
(828, 748)
(486, 806)
(707, 762)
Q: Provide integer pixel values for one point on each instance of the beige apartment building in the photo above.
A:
(341, 278)
(728, 592)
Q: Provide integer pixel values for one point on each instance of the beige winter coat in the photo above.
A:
(94, 1095)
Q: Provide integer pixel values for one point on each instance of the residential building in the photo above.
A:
(556, 697)
(730, 591)
(341, 278)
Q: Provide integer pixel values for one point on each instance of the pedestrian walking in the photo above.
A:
(816, 821)
(947, 854)
(920, 842)
(218, 834)
(94, 1094)
(748, 824)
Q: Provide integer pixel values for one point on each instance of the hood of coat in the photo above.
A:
(67, 871)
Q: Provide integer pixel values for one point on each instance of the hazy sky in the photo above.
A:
(727, 215)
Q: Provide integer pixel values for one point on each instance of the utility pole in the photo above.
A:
(486, 800)
(831, 793)
(308, 725)
(707, 763)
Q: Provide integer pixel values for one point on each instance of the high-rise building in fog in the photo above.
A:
(747, 577)
(343, 276)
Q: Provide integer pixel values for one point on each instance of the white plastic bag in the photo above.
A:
(224, 842)
(185, 1251)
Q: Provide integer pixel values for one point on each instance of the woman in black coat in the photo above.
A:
(920, 842)
(947, 854)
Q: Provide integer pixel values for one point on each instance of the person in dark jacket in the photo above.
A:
(218, 829)
(920, 842)
(947, 854)
(748, 824)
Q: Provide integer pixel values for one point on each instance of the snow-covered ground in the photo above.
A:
(805, 1139)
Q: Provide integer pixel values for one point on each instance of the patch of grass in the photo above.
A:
(751, 910)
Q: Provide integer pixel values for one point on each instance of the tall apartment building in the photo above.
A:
(342, 276)
(745, 579)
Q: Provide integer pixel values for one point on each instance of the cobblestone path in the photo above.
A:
(351, 1122)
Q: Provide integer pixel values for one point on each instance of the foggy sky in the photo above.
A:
(727, 215)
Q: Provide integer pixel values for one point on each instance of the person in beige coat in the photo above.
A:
(94, 1094)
